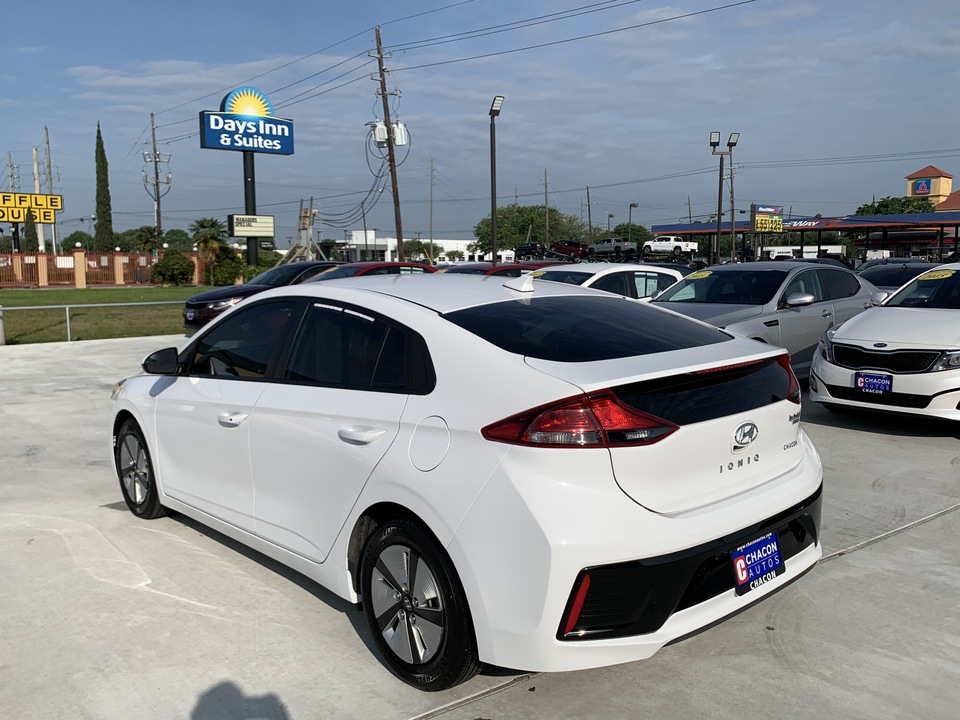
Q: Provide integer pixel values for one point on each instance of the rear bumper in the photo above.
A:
(637, 598)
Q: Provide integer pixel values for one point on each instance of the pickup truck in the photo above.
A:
(670, 245)
(612, 247)
(529, 251)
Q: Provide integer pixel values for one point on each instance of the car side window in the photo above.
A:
(616, 283)
(245, 344)
(342, 347)
(804, 282)
(838, 284)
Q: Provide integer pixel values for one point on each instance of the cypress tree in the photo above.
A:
(31, 242)
(103, 234)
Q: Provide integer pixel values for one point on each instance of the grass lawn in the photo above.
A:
(32, 326)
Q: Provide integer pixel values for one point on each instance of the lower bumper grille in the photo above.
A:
(636, 598)
(892, 398)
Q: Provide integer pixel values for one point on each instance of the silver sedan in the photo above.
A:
(784, 303)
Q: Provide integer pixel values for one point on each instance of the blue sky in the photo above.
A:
(836, 101)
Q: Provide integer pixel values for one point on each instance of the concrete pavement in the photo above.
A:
(104, 616)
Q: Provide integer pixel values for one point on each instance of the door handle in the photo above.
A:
(229, 419)
(360, 435)
(826, 313)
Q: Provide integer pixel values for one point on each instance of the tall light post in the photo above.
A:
(494, 112)
(714, 144)
(609, 217)
(630, 220)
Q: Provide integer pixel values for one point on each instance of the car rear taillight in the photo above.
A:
(596, 420)
(793, 391)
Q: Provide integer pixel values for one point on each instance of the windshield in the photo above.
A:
(727, 287)
(275, 277)
(933, 289)
(894, 275)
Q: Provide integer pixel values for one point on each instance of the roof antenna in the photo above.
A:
(522, 283)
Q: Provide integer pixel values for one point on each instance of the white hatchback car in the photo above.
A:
(903, 356)
(636, 281)
(528, 474)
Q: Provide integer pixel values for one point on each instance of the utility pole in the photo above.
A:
(152, 186)
(391, 156)
(546, 211)
(41, 246)
(156, 177)
(431, 207)
(589, 217)
(49, 168)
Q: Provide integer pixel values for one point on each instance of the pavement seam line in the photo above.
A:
(889, 533)
(444, 709)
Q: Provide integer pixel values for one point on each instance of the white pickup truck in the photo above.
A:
(612, 247)
(670, 245)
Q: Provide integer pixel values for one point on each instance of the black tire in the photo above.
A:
(678, 251)
(645, 250)
(416, 608)
(135, 472)
(617, 251)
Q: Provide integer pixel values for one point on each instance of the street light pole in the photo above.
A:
(630, 220)
(609, 216)
(494, 112)
(714, 144)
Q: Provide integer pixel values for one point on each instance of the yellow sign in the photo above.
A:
(769, 223)
(698, 275)
(936, 275)
(14, 206)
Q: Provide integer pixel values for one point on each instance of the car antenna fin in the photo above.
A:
(521, 283)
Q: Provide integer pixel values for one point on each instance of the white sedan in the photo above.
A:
(636, 281)
(533, 475)
(903, 356)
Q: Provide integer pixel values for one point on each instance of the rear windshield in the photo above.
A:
(893, 275)
(275, 277)
(733, 287)
(566, 276)
(583, 329)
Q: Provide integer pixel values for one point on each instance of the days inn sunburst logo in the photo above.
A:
(246, 122)
(247, 101)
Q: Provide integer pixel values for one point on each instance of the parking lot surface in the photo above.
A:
(104, 616)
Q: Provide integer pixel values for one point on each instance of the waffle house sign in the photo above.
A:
(14, 207)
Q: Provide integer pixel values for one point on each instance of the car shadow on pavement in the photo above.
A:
(226, 701)
(880, 423)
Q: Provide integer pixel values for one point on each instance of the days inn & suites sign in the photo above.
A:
(246, 123)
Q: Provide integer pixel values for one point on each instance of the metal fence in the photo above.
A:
(68, 308)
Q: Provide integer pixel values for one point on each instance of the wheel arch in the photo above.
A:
(121, 417)
(368, 522)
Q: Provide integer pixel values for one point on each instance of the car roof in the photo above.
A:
(594, 268)
(440, 292)
(367, 264)
(764, 265)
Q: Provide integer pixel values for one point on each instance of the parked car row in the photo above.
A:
(326, 424)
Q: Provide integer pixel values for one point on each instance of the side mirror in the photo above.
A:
(161, 362)
(798, 299)
(878, 297)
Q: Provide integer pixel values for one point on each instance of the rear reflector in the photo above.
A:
(574, 615)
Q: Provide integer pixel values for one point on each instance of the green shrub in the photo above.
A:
(174, 268)
(228, 266)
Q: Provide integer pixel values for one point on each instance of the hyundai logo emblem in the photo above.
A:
(744, 436)
(879, 344)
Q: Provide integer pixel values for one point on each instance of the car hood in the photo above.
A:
(228, 291)
(902, 327)
(719, 314)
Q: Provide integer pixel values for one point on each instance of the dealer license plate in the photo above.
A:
(873, 383)
(190, 314)
(756, 563)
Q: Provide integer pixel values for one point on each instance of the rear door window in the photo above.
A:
(838, 284)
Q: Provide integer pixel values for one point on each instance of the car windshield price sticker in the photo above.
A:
(872, 383)
(756, 563)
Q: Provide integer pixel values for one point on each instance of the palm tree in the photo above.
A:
(209, 235)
